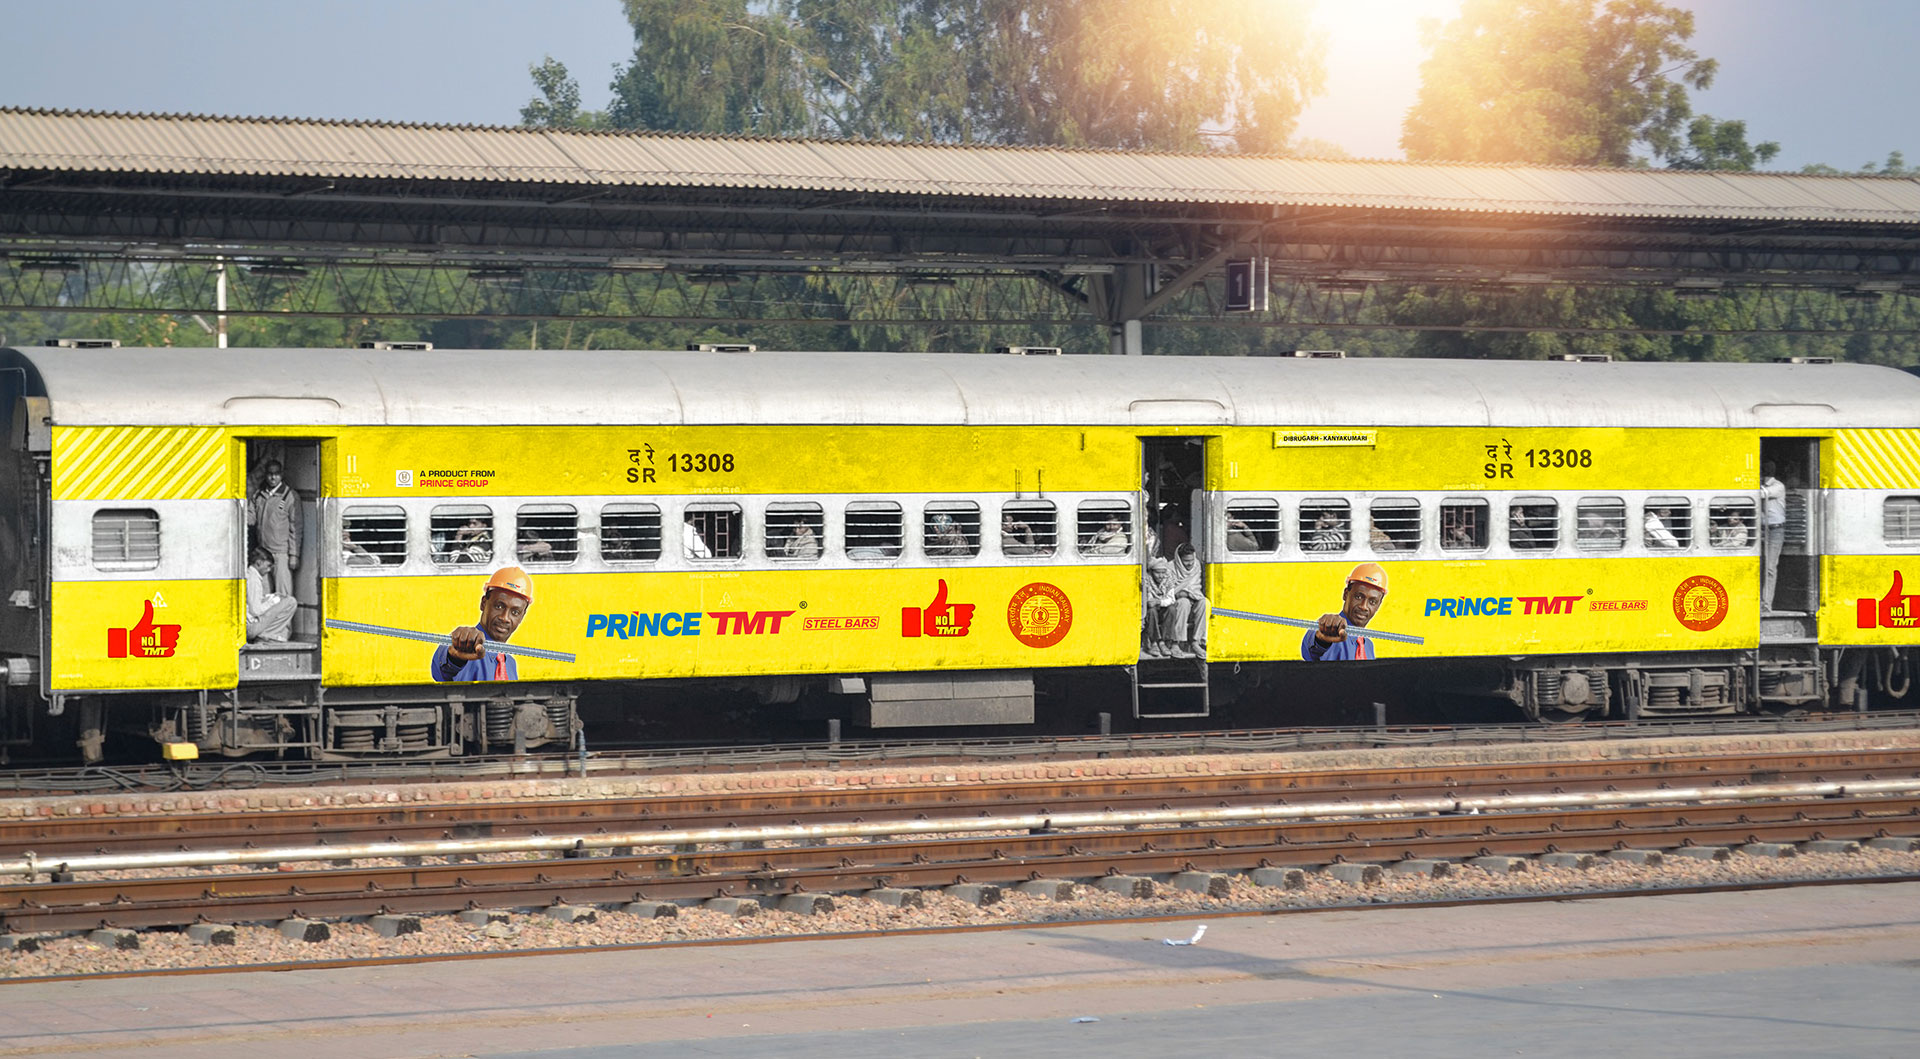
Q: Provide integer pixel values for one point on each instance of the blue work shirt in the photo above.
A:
(1355, 648)
(491, 665)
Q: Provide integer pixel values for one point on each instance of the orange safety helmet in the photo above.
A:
(1369, 574)
(515, 580)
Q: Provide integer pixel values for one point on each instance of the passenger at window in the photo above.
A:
(531, 548)
(269, 614)
(274, 514)
(1111, 538)
(1016, 537)
(801, 543)
(473, 542)
(1658, 535)
(1381, 540)
(1729, 530)
(503, 606)
(1240, 536)
(352, 553)
(947, 538)
(1329, 532)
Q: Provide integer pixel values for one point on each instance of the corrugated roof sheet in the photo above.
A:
(92, 142)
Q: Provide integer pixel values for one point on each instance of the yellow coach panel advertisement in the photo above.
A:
(1500, 607)
(145, 634)
(713, 623)
(1870, 599)
(1338, 460)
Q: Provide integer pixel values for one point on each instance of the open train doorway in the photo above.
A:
(1170, 679)
(280, 564)
(1790, 545)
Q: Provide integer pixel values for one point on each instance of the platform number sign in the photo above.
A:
(1247, 285)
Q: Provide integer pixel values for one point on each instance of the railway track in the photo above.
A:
(1268, 826)
(53, 838)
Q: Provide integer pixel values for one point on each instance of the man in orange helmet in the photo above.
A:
(503, 604)
(1333, 640)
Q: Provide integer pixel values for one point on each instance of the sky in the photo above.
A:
(1824, 78)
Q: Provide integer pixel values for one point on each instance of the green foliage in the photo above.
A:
(1557, 82)
(1138, 74)
(1895, 166)
(1715, 144)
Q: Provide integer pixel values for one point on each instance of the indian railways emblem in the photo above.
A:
(1040, 615)
(1700, 603)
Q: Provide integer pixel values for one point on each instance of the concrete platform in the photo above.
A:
(1696, 975)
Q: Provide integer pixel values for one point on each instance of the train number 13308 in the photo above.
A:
(701, 462)
(1559, 457)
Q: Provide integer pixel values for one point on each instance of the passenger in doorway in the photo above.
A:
(1773, 520)
(1184, 622)
(1156, 598)
(1336, 638)
(503, 606)
(274, 515)
(269, 614)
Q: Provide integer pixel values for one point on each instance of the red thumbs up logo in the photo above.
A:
(1891, 611)
(938, 618)
(144, 640)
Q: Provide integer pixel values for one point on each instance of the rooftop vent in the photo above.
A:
(1316, 354)
(1029, 351)
(722, 347)
(1804, 360)
(83, 343)
(408, 346)
(1584, 358)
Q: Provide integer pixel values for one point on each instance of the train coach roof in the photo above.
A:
(253, 387)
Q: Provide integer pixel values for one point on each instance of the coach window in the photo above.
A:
(1666, 523)
(1325, 525)
(1104, 527)
(875, 529)
(711, 531)
(1600, 524)
(795, 532)
(126, 539)
(1396, 525)
(630, 533)
(1029, 527)
(1253, 526)
(547, 533)
(1730, 522)
(1900, 520)
(950, 529)
(461, 533)
(1463, 525)
(373, 536)
(1533, 524)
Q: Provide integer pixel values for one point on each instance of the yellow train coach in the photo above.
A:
(370, 553)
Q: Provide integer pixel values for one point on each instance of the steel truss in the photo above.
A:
(394, 287)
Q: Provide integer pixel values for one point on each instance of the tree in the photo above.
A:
(1713, 144)
(1140, 74)
(1558, 82)
(558, 104)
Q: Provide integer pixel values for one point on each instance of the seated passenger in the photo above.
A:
(269, 614)
(1240, 536)
(1658, 535)
(1183, 626)
(532, 549)
(351, 552)
(693, 541)
(802, 543)
(1329, 533)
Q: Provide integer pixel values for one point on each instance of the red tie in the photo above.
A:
(499, 667)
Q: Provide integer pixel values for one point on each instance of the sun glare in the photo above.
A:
(1373, 56)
